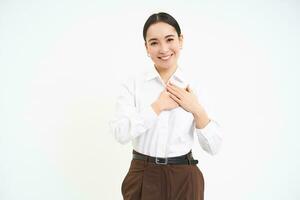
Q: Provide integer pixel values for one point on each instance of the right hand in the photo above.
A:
(164, 102)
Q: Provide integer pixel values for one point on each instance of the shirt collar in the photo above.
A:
(153, 73)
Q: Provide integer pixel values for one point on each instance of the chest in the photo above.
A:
(148, 92)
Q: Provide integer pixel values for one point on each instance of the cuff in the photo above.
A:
(210, 137)
(209, 130)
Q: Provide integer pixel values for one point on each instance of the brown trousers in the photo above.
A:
(149, 181)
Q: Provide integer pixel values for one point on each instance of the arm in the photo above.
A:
(128, 123)
(210, 137)
(208, 131)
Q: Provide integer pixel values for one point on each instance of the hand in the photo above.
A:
(185, 98)
(164, 102)
(188, 101)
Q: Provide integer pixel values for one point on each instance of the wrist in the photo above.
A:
(201, 118)
(198, 111)
(201, 121)
(156, 107)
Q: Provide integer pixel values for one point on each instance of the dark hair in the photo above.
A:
(161, 17)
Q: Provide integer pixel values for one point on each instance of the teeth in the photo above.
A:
(165, 57)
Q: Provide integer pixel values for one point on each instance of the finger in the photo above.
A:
(174, 92)
(188, 88)
(176, 99)
(174, 86)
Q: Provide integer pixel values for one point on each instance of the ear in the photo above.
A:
(146, 46)
(181, 41)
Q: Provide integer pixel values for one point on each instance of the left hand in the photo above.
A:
(184, 97)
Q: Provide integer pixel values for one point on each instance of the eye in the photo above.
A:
(170, 39)
(153, 43)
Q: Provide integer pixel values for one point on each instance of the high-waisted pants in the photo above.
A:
(150, 181)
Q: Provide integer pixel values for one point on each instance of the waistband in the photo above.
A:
(186, 159)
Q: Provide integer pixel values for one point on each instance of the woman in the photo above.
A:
(159, 113)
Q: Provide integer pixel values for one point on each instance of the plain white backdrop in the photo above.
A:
(60, 66)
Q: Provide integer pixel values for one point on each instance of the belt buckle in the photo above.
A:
(157, 161)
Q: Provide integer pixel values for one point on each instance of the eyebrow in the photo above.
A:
(167, 36)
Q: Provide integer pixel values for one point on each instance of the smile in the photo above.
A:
(165, 57)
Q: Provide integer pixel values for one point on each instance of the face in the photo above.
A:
(163, 45)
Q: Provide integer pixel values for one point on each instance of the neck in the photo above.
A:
(166, 74)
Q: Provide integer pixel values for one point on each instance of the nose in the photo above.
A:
(164, 48)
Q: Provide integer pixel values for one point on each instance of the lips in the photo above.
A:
(166, 57)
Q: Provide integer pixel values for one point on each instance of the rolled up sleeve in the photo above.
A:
(210, 137)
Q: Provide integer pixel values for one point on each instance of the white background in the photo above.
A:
(60, 65)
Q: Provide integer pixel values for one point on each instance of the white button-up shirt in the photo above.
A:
(171, 133)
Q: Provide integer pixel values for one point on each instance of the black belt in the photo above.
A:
(186, 159)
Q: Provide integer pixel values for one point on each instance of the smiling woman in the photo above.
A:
(160, 113)
(163, 41)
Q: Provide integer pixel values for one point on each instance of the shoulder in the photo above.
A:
(130, 81)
